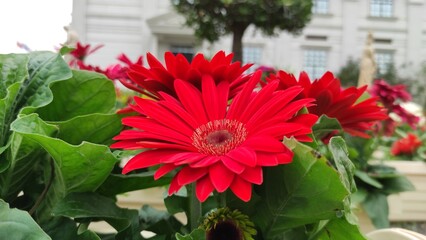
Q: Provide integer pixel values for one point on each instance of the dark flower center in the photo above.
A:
(219, 136)
(225, 230)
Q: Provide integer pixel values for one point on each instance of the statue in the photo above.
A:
(72, 37)
(368, 64)
(72, 40)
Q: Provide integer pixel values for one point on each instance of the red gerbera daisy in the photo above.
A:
(217, 145)
(335, 102)
(407, 145)
(150, 81)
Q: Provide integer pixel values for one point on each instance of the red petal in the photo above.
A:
(174, 186)
(220, 177)
(190, 98)
(182, 156)
(243, 155)
(253, 175)
(258, 102)
(285, 158)
(188, 175)
(223, 93)
(241, 101)
(241, 188)
(205, 162)
(194, 157)
(210, 97)
(163, 170)
(267, 159)
(164, 116)
(264, 143)
(126, 145)
(203, 188)
(233, 165)
(147, 159)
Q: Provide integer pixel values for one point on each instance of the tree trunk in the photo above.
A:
(237, 42)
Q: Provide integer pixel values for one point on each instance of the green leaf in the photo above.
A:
(159, 222)
(13, 71)
(344, 165)
(325, 126)
(363, 176)
(64, 228)
(76, 168)
(18, 225)
(23, 154)
(377, 208)
(346, 169)
(397, 184)
(292, 195)
(88, 206)
(94, 128)
(24, 86)
(197, 234)
(119, 183)
(95, 94)
(82, 168)
(339, 229)
(44, 68)
(65, 50)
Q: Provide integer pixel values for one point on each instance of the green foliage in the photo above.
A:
(197, 234)
(339, 229)
(18, 225)
(301, 194)
(56, 125)
(349, 73)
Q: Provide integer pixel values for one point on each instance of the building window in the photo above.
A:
(384, 60)
(320, 7)
(315, 62)
(186, 51)
(252, 55)
(381, 8)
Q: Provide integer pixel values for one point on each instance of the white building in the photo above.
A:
(337, 32)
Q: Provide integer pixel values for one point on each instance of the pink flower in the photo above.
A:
(388, 94)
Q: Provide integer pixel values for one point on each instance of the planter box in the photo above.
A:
(409, 206)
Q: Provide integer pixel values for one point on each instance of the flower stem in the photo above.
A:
(194, 208)
(222, 200)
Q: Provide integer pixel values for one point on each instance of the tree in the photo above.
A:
(212, 19)
(349, 73)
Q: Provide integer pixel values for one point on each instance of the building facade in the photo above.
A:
(336, 33)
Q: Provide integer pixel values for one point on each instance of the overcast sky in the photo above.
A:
(36, 23)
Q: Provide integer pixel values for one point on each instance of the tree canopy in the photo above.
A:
(212, 19)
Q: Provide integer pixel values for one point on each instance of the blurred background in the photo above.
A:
(36, 25)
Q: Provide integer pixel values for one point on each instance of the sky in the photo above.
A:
(36, 23)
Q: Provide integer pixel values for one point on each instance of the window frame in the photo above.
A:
(254, 58)
(186, 50)
(317, 68)
(381, 8)
(383, 64)
(321, 7)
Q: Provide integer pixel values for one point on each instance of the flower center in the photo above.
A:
(225, 230)
(219, 136)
